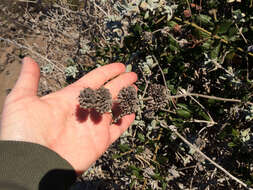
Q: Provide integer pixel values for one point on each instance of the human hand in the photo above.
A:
(57, 122)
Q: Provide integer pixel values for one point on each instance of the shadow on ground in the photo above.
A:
(98, 184)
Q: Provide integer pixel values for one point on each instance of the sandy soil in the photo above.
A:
(9, 71)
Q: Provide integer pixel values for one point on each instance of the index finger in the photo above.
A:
(94, 79)
(97, 77)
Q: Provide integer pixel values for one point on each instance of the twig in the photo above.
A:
(146, 83)
(210, 34)
(66, 9)
(189, 6)
(168, 111)
(209, 97)
(203, 96)
(247, 63)
(32, 51)
(140, 160)
(143, 159)
(201, 121)
(204, 109)
(194, 174)
(96, 5)
(157, 146)
(240, 31)
(164, 80)
(186, 168)
(154, 156)
(173, 128)
(218, 98)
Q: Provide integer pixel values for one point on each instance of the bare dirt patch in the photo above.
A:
(9, 71)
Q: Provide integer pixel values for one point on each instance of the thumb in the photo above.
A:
(28, 81)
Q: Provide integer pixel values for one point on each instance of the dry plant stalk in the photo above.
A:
(195, 148)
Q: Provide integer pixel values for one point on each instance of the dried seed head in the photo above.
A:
(159, 94)
(87, 98)
(100, 100)
(149, 114)
(151, 108)
(103, 100)
(127, 102)
(158, 99)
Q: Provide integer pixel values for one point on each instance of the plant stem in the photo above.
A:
(194, 147)
(210, 34)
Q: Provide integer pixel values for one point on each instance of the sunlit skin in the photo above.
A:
(54, 120)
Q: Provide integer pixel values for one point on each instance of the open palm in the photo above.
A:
(57, 122)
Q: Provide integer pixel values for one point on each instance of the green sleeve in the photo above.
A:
(28, 166)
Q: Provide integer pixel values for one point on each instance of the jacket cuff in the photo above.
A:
(31, 166)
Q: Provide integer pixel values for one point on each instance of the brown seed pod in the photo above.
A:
(159, 94)
(100, 100)
(158, 99)
(87, 98)
(127, 102)
(103, 100)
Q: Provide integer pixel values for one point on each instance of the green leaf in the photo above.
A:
(157, 176)
(124, 147)
(207, 45)
(70, 61)
(173, 47)
(232, 33)
(172, 24)
(139, 150)
(235, 133)
(183, 106)
(224, 26)
(204, 115)
(164, 186)
(138, 29)
(245, 132)
(116, 156)
(183, 113)
(162, 159)
(133, 167)
(211, 101)
(136, 173)
(165, 71)
(231, 144)
(133, 183)
(141, 137)
(172, 88)
(204, 19)
(169, 58)
(130, 42)
(201, 34)
(215, 52)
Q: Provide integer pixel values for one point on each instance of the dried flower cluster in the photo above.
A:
(103, 100)
(100, 100)
(157, 99)
(127, 102)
